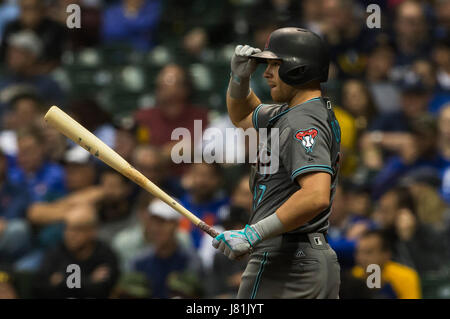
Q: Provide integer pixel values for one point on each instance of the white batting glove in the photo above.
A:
(237, 243)
(241, 65)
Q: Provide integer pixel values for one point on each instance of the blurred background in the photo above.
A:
(137, 69)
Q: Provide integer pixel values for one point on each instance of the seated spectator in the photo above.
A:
(397, 281)
(204, 197)
(44, 180)
(23, 69)
(413, 151)
(133, 22)
(348, 38)
(410, 37)
(51, 34)
(166, 254)
(24, 110)
(14, 229)
(97, 263)
(112, 197)
(173, 110)
(149, 161)
(94, 118)
(348, 221)
(90, 17)
(385, 92)
(358, 102)
(414, 103)
(413, 243)
(80, 170)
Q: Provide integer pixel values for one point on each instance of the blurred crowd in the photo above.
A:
(137, 69)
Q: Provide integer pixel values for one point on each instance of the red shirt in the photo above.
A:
(158, 127)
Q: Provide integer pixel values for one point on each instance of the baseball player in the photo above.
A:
(286, 235)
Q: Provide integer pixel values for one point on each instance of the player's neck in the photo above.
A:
(304, 95)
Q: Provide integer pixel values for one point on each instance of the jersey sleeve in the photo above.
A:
(305, 146)
(264, 114)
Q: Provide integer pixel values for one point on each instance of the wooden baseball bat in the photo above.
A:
(80, 135)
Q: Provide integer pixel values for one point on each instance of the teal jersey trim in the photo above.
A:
(259, 275)
(303, 169)
(255, 116)
(289, 109)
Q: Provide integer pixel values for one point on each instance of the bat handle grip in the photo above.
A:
(208, 229)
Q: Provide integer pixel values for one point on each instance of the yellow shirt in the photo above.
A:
(348, 141)
(404, 280)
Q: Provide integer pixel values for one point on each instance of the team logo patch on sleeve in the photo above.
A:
(307, 138)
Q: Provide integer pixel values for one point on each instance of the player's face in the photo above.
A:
(280, 91)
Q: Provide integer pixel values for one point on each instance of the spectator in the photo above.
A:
(94, 118)
(385, 92)
(132, 22)
(44, 180)
(413, 243)
(80, 170)
(14, 229)
(50, 33)
(23, 69)
(398, 281)
(166, 255)
(410, 35)
(414, 103)
(25, 108)
(97, 263)
(409, 155)
(88, 35)
(149, 161)
(204, 197)
(358, 102)
(348, 221)
(173, 110)
(349, 40)
(442, 10)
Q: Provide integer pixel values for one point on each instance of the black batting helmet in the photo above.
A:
(304, 55)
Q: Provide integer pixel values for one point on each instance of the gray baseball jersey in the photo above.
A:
(309, 141)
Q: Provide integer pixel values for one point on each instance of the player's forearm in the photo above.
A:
(301, 207)
(239, 104)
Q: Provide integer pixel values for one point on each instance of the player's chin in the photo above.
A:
(276, 96)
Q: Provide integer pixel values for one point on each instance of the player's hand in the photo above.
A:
(241, 64)
(237, 243)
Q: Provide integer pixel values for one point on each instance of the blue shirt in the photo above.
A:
(14, 200)
(136, 30)
(207, 212)
(47, 184)
(395, 169)
(157, 269)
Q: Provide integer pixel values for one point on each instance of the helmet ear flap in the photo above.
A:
(293, 75)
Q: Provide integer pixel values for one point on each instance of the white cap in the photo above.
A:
(77, 155)
(158, 208)
(27, 40)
